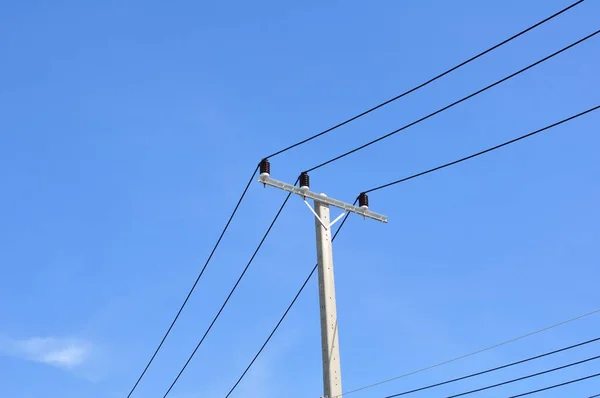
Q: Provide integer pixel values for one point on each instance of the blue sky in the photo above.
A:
(127, 132)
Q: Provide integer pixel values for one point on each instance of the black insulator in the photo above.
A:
(304, 180)
(363, 200)
(265, 167)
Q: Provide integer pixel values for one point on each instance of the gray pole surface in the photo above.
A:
(332, 377)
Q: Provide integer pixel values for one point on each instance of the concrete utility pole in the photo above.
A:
(332, 376)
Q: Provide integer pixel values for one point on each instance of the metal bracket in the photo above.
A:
(316, 215)
(338, 218)
(305, 193)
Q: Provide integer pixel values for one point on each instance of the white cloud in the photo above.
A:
(63, 353)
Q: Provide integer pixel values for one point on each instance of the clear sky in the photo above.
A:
(127, 132)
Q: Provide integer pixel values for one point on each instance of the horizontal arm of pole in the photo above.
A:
(305, 193)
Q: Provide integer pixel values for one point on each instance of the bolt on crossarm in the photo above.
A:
(332, 377)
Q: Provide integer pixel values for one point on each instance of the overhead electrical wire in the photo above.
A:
(443, 166)
(493, 369)
(454, 103)
(437, 365)
(235, 209)
(201, 273)
(529, 376)
(229, 295)
(450, 164)
(447, 107)
(556, 386)
(386, 136)
(397, 182)
(426, 83)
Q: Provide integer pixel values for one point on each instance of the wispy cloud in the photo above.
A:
(61, 352)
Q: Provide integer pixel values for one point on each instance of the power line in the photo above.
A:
(310, 139)
(454, 103)
(484, 151)
(378, 106)
(525, 377)
(447, 165)
(439, 168)
(375, 108)
(228, 296)
(556, 386)
(426, 83)
(386, 185)
(595, 396)
(284, 314)
(470, 354)
(195, 284)
(372, 142)
(494, 369)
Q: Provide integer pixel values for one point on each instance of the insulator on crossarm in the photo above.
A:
(265, 167)
(363, 200)
(304, 180)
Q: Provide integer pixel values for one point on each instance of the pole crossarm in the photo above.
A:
(305, 193)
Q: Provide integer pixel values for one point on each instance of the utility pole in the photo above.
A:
(332, 376)
(330, 349)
